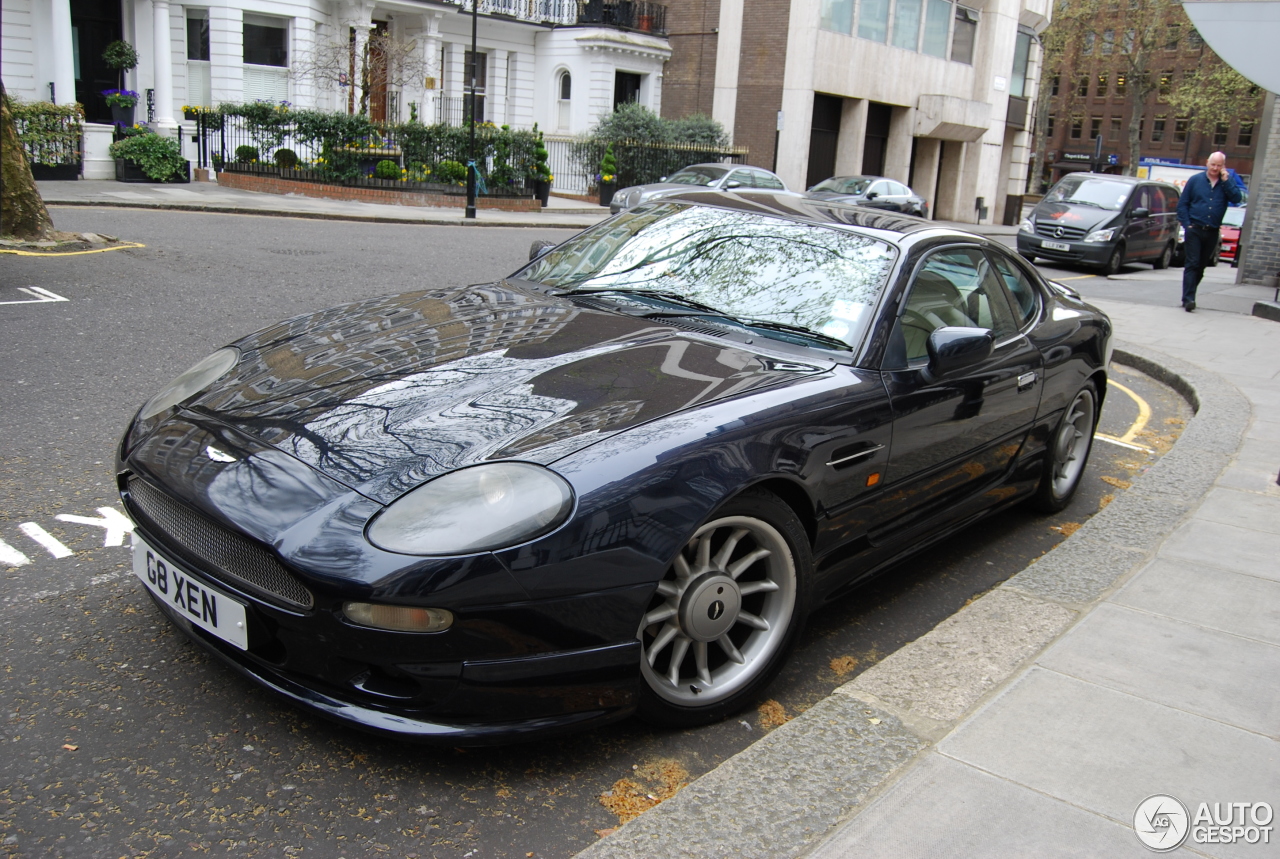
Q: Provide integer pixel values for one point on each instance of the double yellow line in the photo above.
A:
(1144, 415)
(120, 247)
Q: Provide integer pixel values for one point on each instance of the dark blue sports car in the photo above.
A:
(615, 481)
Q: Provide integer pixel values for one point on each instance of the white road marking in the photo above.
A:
(44, 538)
(1102, 437)
(113, 522)
(41, 295)
(11, 556)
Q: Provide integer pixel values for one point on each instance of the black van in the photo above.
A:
(1103, 220)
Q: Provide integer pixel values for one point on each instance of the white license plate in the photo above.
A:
(200, 603)
(1056, 246)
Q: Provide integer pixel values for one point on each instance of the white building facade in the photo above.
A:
(559, 63)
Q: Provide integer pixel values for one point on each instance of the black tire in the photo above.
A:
(1165, 258)
(1115, 261)
(1031, 258)
(1068, 452)
(701, 603)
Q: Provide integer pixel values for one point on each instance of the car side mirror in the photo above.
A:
(1140, 212)
(539, 247)
(952, 349)
(871, 195)
(733, 183)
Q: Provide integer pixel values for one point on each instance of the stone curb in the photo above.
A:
(444, 221)
(780, 797)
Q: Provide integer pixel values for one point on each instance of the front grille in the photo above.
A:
(1060, 232)
(234, 556)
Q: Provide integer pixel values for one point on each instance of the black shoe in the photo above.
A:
(1188, 306)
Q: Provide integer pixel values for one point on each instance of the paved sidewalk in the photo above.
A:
(210, 197)
(1140, 657)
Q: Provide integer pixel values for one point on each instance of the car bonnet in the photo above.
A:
(384, 394)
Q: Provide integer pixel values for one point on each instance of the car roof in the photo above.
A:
(889, 226)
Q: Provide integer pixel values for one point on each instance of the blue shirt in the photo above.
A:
(1203, 204)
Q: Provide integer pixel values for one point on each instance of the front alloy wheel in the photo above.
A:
(725, 614)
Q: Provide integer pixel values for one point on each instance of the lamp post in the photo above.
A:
(471, 138)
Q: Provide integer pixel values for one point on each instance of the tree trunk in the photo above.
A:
(22, 211)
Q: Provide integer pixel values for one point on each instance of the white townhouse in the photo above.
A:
(560, 63)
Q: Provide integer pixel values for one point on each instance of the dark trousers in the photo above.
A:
(1198, 247)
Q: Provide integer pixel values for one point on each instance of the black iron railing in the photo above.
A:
(629, 14)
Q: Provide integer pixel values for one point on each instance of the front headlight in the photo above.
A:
(1027, 226)
(192, 382)
(478, 509)
(1100, 235)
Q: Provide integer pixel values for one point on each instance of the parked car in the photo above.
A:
(1229, 232)
(714, 177)
(876, 192)
(1104, 221)
(617, 480)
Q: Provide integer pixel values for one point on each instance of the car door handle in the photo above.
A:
(850, 458)
(1026, 380)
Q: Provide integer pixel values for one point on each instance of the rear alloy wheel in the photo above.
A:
(1068, 452)
(726, 613)
(1166, 257)
(1113, 263)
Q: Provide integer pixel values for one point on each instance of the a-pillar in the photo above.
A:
(928, 151)
(162, 58)
(64, 68)
(853, 137)
(897, 156)
(950, 174)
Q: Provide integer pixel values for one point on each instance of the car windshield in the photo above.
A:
(738, 266)
(697, 175)
(1099, 193)
(1233, 217)
(846, 185)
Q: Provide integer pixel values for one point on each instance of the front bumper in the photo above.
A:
(1084, 253)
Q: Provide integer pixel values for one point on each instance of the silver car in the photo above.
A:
(713, 177)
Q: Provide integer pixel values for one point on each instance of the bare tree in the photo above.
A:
(22, 211)
(368, 60)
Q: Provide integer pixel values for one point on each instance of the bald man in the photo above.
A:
(1200, 209)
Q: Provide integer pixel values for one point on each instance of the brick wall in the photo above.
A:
(689, 80)
(276, 185)
(1260, 254)
(761, 64)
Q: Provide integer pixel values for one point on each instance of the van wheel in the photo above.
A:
(1166, 257)
(1113, 263)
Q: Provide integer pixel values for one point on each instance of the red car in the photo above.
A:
(1229, 243)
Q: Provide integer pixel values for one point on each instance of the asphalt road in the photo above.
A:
(125, 740)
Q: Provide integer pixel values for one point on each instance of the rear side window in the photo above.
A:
(767, 180)
(954, 288)
(1025, 299)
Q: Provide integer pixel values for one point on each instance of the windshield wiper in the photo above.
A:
(669, 297)
(770, 325)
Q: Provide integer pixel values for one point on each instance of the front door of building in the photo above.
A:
(94, 25)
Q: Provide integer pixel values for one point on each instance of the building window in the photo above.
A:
(199, 83)
(837, 16)
(1166, 84)
(873, 20)
(198, 35)
(477, 65)
(1220, 134)
(1157, 129)
(1082, 86)
(564, 90)
(964, 34)
(266, 41)
(937, 26)
(1245, 137)
(1129, 37)
(1180, 130)
(1077, 128)
(1108, 42)
(1048, 128)
(1095, 127)
(626, 88)
(1056, 83)
(1115, 128)
(1194, 41)
(1122, 84)
(1086, 49)
(906, 23)
(1101, 91)
(1175, 37)
(1021, 58)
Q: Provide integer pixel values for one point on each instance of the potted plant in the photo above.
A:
(150, 158)
(121, 56)
(121, 102)
(541, 173)
(608, 176)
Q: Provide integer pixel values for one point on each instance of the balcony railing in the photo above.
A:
(635, 15)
